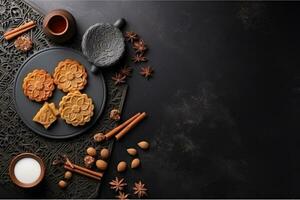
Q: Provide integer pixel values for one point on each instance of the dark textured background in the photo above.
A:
(224, 100)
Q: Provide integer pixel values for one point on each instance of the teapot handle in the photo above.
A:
(94, 69)
(120, 23)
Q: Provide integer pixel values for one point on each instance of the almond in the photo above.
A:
(104, 153)
(91, 151)
(132, 151)
(121, 166)
(101, 164)
(68, 175)
(135, 163)
(144, 145)
(62, 184)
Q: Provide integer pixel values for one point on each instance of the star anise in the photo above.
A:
(23, 43)
(140, 46)
(126, 71)
(99, 137)
(58, 161)
(115, 114)
(122, 196)
(139, 58)
(117, 185)
(147, 72)
(140, 189)
(62, 159)
(131, 36)
(119, 78)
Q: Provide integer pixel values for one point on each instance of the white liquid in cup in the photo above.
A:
(27, 170)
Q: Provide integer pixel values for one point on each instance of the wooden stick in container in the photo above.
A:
(130, 126)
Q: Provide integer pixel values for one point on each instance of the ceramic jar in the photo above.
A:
(59, 25)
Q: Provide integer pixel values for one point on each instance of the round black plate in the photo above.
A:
(47, 59)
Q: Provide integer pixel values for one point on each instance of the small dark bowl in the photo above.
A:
(103, 44)
(12, 169)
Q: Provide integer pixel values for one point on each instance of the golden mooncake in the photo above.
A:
(38, 85)
(76, 108)
(46, 115)
(70, 75)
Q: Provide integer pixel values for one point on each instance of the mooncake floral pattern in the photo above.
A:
(76, 108)
(38, 85)
(70, 75)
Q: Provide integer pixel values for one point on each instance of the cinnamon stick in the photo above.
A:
(121, 126)
(23, 26)
(98, 174)
(15, 34)
(130, 126)
(69, 162)
(82, 172)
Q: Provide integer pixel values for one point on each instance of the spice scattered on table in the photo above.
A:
(62, 184)
(68, 162)
(23, 43)
(140, 49)
(104, 153)
(140, 189)
(132, 124)
(56, 162)
(117, 184)
(135, 163)
(119, 78)
(121, 166)
(120, 130)
(144, 145)
(115, 114)
(132, 151)
(131, 36)
(101, 164)
(122, 196)
(147, 72)
(11, 34)
(99, 137)
(139, 58)
(91, 151)
(83, 171)
(126, 71)
(89, 161)
(140, 46)
(68, 175)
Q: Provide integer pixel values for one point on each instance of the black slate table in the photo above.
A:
(224, 102)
